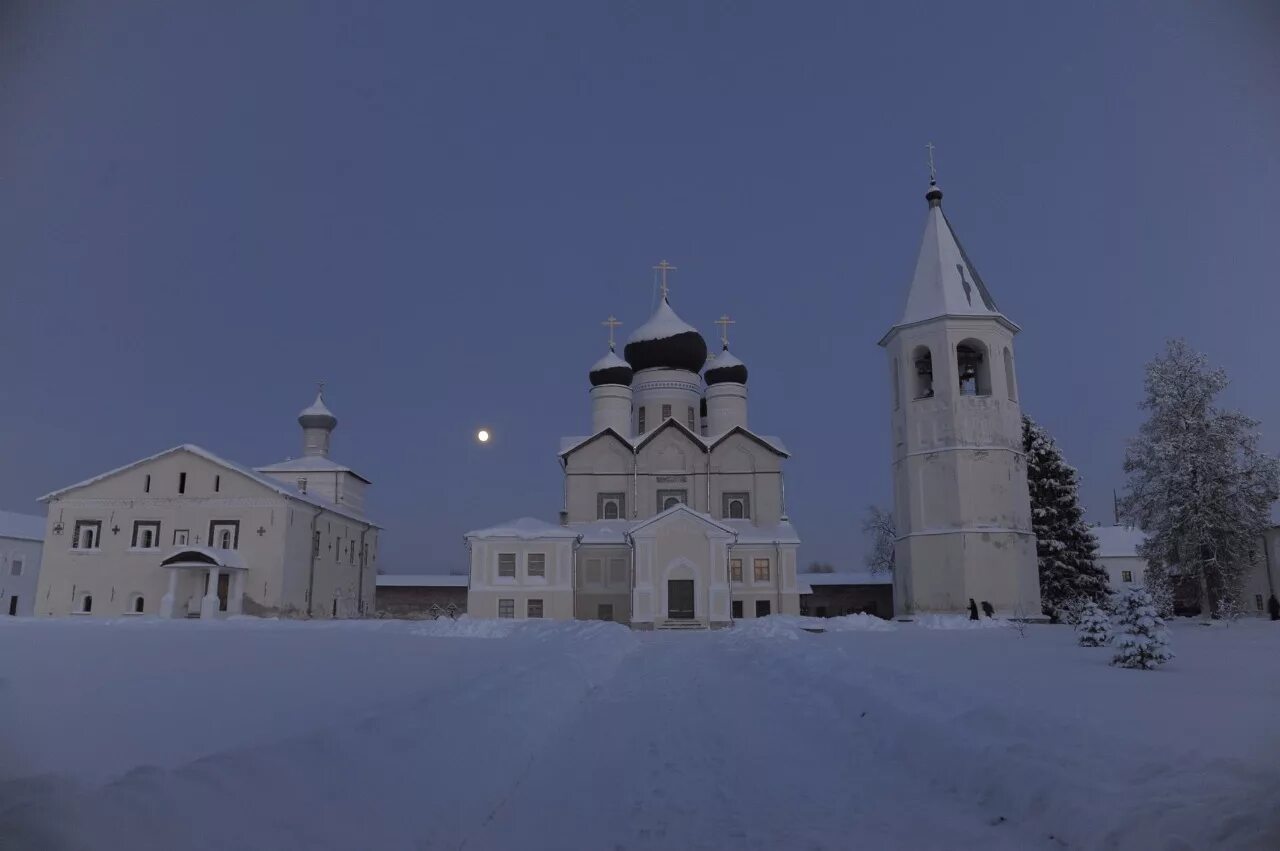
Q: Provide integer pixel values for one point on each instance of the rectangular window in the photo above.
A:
(224, 534)
(735, 506)
(668, 499)
(534, 609)
(618, 572)
(537, 565)
(146, 485)
(88, 535)
(506, 608)
(735, 570)
(1126, 576)
(611, 506)
(302, 485)
(666, 412)
(640, 420)
(762, 570)
(217, 484)
(737, 609)
(693, 427)
(182, 483)
(507, 565)
(1257, 598)
(15, 569)
(181, 537)
(146, 535)
(605, 611)
(762, 608)
(591, 574)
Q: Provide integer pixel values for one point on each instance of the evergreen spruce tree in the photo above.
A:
(1064, 545)
(1094, 628)
(1143, 641)
(1199, 486)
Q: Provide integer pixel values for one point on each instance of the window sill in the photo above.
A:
(146, 549)
(86, 551)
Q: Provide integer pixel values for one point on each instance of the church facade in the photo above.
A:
(185, 533)
(674, 512)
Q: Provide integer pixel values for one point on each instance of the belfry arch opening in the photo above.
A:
(923, 360)
(974, 368)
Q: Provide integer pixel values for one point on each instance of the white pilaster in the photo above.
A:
(209, 604)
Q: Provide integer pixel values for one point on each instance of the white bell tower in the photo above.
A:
(959, 474)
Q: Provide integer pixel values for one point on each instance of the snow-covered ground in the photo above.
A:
(145, 734)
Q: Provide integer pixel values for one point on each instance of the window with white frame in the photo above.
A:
(736, 506)
(536, 565)
(507, 565)
(1126, 576)
(15, 566)
(506, 608)
(762, 570)
(735, 570)
(146, 535)
(666, 412)
(671, 498)
(533, 609)
(88, 535)
(611, 506)
(181, 537)
(224, 534)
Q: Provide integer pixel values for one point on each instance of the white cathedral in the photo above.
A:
(674, 510)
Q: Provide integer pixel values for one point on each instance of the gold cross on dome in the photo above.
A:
(662, 269)
(933, 173)
(724, 322)
(612, 322)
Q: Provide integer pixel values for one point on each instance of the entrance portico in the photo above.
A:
(681, 575)
(219, 573)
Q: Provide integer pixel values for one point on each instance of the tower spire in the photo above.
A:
(934, 195)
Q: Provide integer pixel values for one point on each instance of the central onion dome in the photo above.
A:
(726, 368)
(610, 369)
(666, 342)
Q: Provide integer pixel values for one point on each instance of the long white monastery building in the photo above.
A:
(185, 533)
(674, 512)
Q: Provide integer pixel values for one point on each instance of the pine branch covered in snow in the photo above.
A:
(1094, 627)
(879, 526)
(1143, 641)
(1065, 548)
(1198, 484)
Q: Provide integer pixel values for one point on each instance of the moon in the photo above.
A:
(483, 435)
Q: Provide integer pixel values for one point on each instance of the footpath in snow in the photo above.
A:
(489, 735)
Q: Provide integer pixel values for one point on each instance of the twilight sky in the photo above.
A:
(206, 207)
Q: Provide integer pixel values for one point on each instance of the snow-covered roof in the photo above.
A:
(945, 282)
(317, 408)
(681, 508)
(421, 580)
(723, 359)
(273, 484)
(603, 531)
(663, 324)
(309, 464)
(780, 533)
(1118, 541)
(569, 444)
(610, 361)
(850, 577)
(197, 556)
(524, 528)
(23, 527)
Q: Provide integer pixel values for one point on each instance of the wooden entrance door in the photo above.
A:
(224, 590)
(680, 599)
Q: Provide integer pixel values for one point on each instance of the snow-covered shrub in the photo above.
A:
(1093, 627)
(1143, 641)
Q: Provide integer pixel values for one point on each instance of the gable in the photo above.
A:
(674, 450)
(606, 455)
(682, 519)
(741, 452)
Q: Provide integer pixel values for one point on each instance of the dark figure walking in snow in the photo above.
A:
(988, 610)
(1273, 606)
(973, 610)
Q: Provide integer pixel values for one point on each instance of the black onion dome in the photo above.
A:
(610, 369)
(666, 342)
(726, 368)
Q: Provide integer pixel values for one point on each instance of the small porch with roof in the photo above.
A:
(214, 582)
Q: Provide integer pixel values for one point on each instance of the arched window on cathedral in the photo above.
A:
(1011, 386)
(973, 368)
(923, 360)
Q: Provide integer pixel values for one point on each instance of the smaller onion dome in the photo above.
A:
(666, 342)
(611, 369)
(726, 368)
(318, 415)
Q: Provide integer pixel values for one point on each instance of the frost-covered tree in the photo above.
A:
(1143, 641)
(879, 527)
(1064, 546)
(1198, 484)
(1094, 626)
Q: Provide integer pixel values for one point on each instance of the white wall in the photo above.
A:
(22, 555)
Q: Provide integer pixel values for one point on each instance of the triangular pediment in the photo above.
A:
(682, 516)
